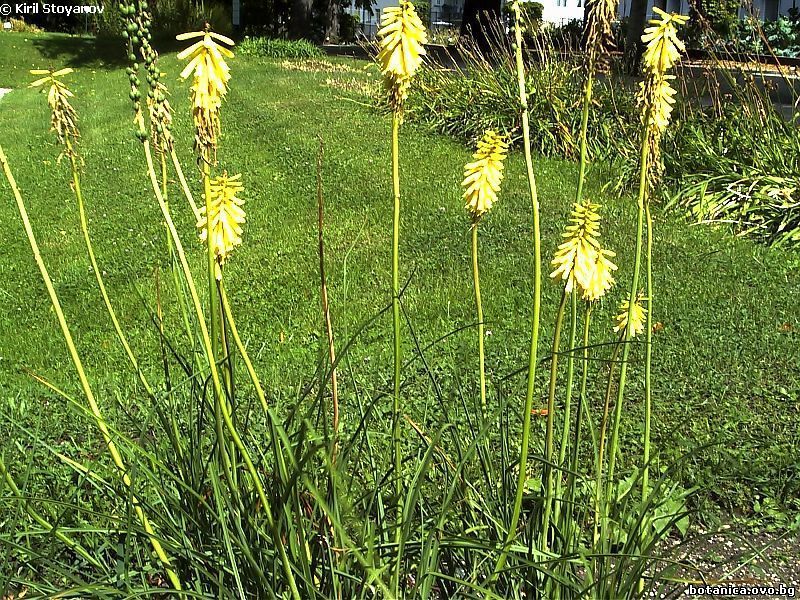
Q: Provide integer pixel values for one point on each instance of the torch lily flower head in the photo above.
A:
(580, 260)
(659, 95)
(482, 177)
(226, 219)
(64, 120)
(210, 76)
(402, 44)
(637, 317)
(664, 48)
(601, 278)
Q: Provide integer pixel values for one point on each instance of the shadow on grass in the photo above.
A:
(82, 51)
(89, 51)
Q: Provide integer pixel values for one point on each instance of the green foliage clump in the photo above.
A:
(781, 37)
(740, 167)
(721, 15)
(278, 48)
(465, 102)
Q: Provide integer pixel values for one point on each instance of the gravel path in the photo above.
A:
(744, 558)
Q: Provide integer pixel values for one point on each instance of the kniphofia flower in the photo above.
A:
(663, 46)
(482, 177)
(210, 76)
(227, 217)
(575, 258)
(64, 120)
(637, 317)
(402, 45)
(657, 94)
(601, 278)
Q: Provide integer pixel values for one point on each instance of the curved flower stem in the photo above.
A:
(587, 104)
(573, 465)
(602, 443)
(479, 307)
(84, 223)
(184, 186)
(629, 334)
(87, 390)
(565, 428)
(537, 295)
(396, 433)
(648, 356)
(551, 407)
(215, 377)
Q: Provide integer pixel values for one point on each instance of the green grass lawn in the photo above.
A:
(726, 360)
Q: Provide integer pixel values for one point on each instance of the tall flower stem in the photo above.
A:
(629, 333)
(214, 313)
(396, 434)
(602, 442)
(87, 390)
(563, 446)
(648, 355)
(549, 434)
(573, 465)
(537, 296)
(587, 104)
(215, 377)
(84, 223)
(479, 308)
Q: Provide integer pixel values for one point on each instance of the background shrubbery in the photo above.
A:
(731, 156)
(277, 48)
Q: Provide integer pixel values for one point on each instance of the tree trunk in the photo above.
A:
(481, 22)
(331, 33)
(633, 41)
(300, 19)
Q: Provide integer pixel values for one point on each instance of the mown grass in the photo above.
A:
(726, 360)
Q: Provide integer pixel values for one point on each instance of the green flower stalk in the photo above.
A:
(210, 75)
(84, 381)
(64, 122)
(537, 298)
(663, 52)
(655, 98)
(402, 38)
(481, 184)
(583, 265)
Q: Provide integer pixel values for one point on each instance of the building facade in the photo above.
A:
(445, 14)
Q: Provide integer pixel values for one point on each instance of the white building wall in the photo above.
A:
(559, 12)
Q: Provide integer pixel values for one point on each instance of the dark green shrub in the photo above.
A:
(349, 26)
(277, 48)
(721, 15)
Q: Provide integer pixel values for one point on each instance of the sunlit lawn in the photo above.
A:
(727, 352)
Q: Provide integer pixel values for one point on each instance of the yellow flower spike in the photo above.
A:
(663, 46)
(601, 278)
(63, 120)
(210, 75)
(576, 258)
(660, 96)
(637, 318)
(227, 217)
(482, 177)
(402, 45)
